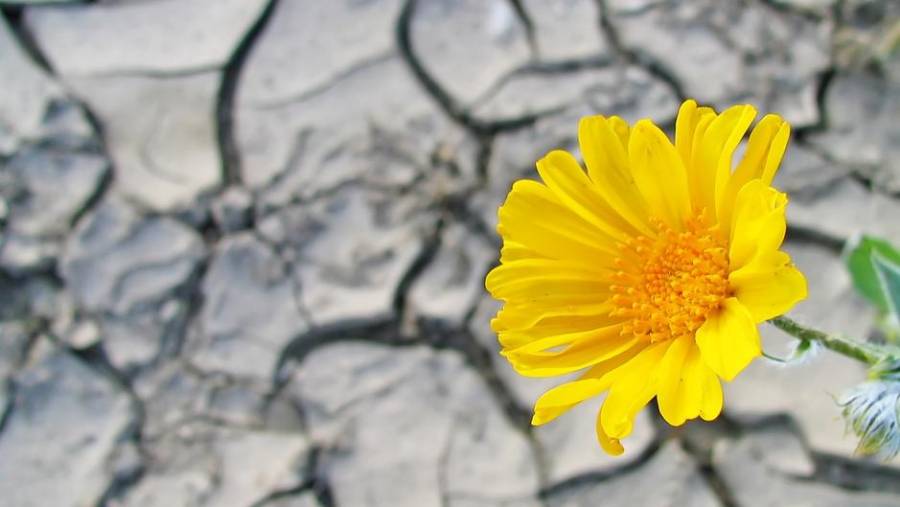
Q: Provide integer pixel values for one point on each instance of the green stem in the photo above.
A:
(860, 351)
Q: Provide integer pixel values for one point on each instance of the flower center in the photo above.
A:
(667, 286)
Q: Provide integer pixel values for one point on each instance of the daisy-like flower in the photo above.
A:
(649, 272)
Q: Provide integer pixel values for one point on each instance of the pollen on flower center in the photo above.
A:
(670, 284)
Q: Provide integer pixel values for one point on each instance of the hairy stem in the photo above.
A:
(861, 351)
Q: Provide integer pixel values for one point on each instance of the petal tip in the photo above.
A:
(613, 447)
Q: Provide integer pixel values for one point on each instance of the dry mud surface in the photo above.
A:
(244, 242)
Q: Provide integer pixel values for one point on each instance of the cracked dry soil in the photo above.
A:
(244, 242)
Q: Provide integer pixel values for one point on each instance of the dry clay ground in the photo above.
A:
(244, 244)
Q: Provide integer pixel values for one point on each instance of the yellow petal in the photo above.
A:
(765, 150)
(621, 128)
(729, 339)
(685, 125)
(512, 338)
(702, 392)
(524, 315)
(577, 356)
(692, 145)
(711, 403)
(533, 217)
(551, 303)
(565, 177)
(529, 279)
(758, 224)
(607, 162)
(512, 251)
(710, 165)
(659, 174)
(679, 393)
(560, 399)
(633, 386)
(769, 286)
(557, 340)
(612, 446)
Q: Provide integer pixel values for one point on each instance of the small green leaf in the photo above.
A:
(858, 258)
(803, 350)
(888, 273)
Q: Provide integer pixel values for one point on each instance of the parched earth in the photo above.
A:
(244, 242)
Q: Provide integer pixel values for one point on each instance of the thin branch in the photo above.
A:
(861, 351)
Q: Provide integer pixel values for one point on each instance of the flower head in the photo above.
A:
(650, 271)
(872, 411)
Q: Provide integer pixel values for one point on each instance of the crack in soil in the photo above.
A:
(225, 99)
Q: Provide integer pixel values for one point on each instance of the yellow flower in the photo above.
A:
(651, 271)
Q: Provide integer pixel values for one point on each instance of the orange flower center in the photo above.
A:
(670, 284)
